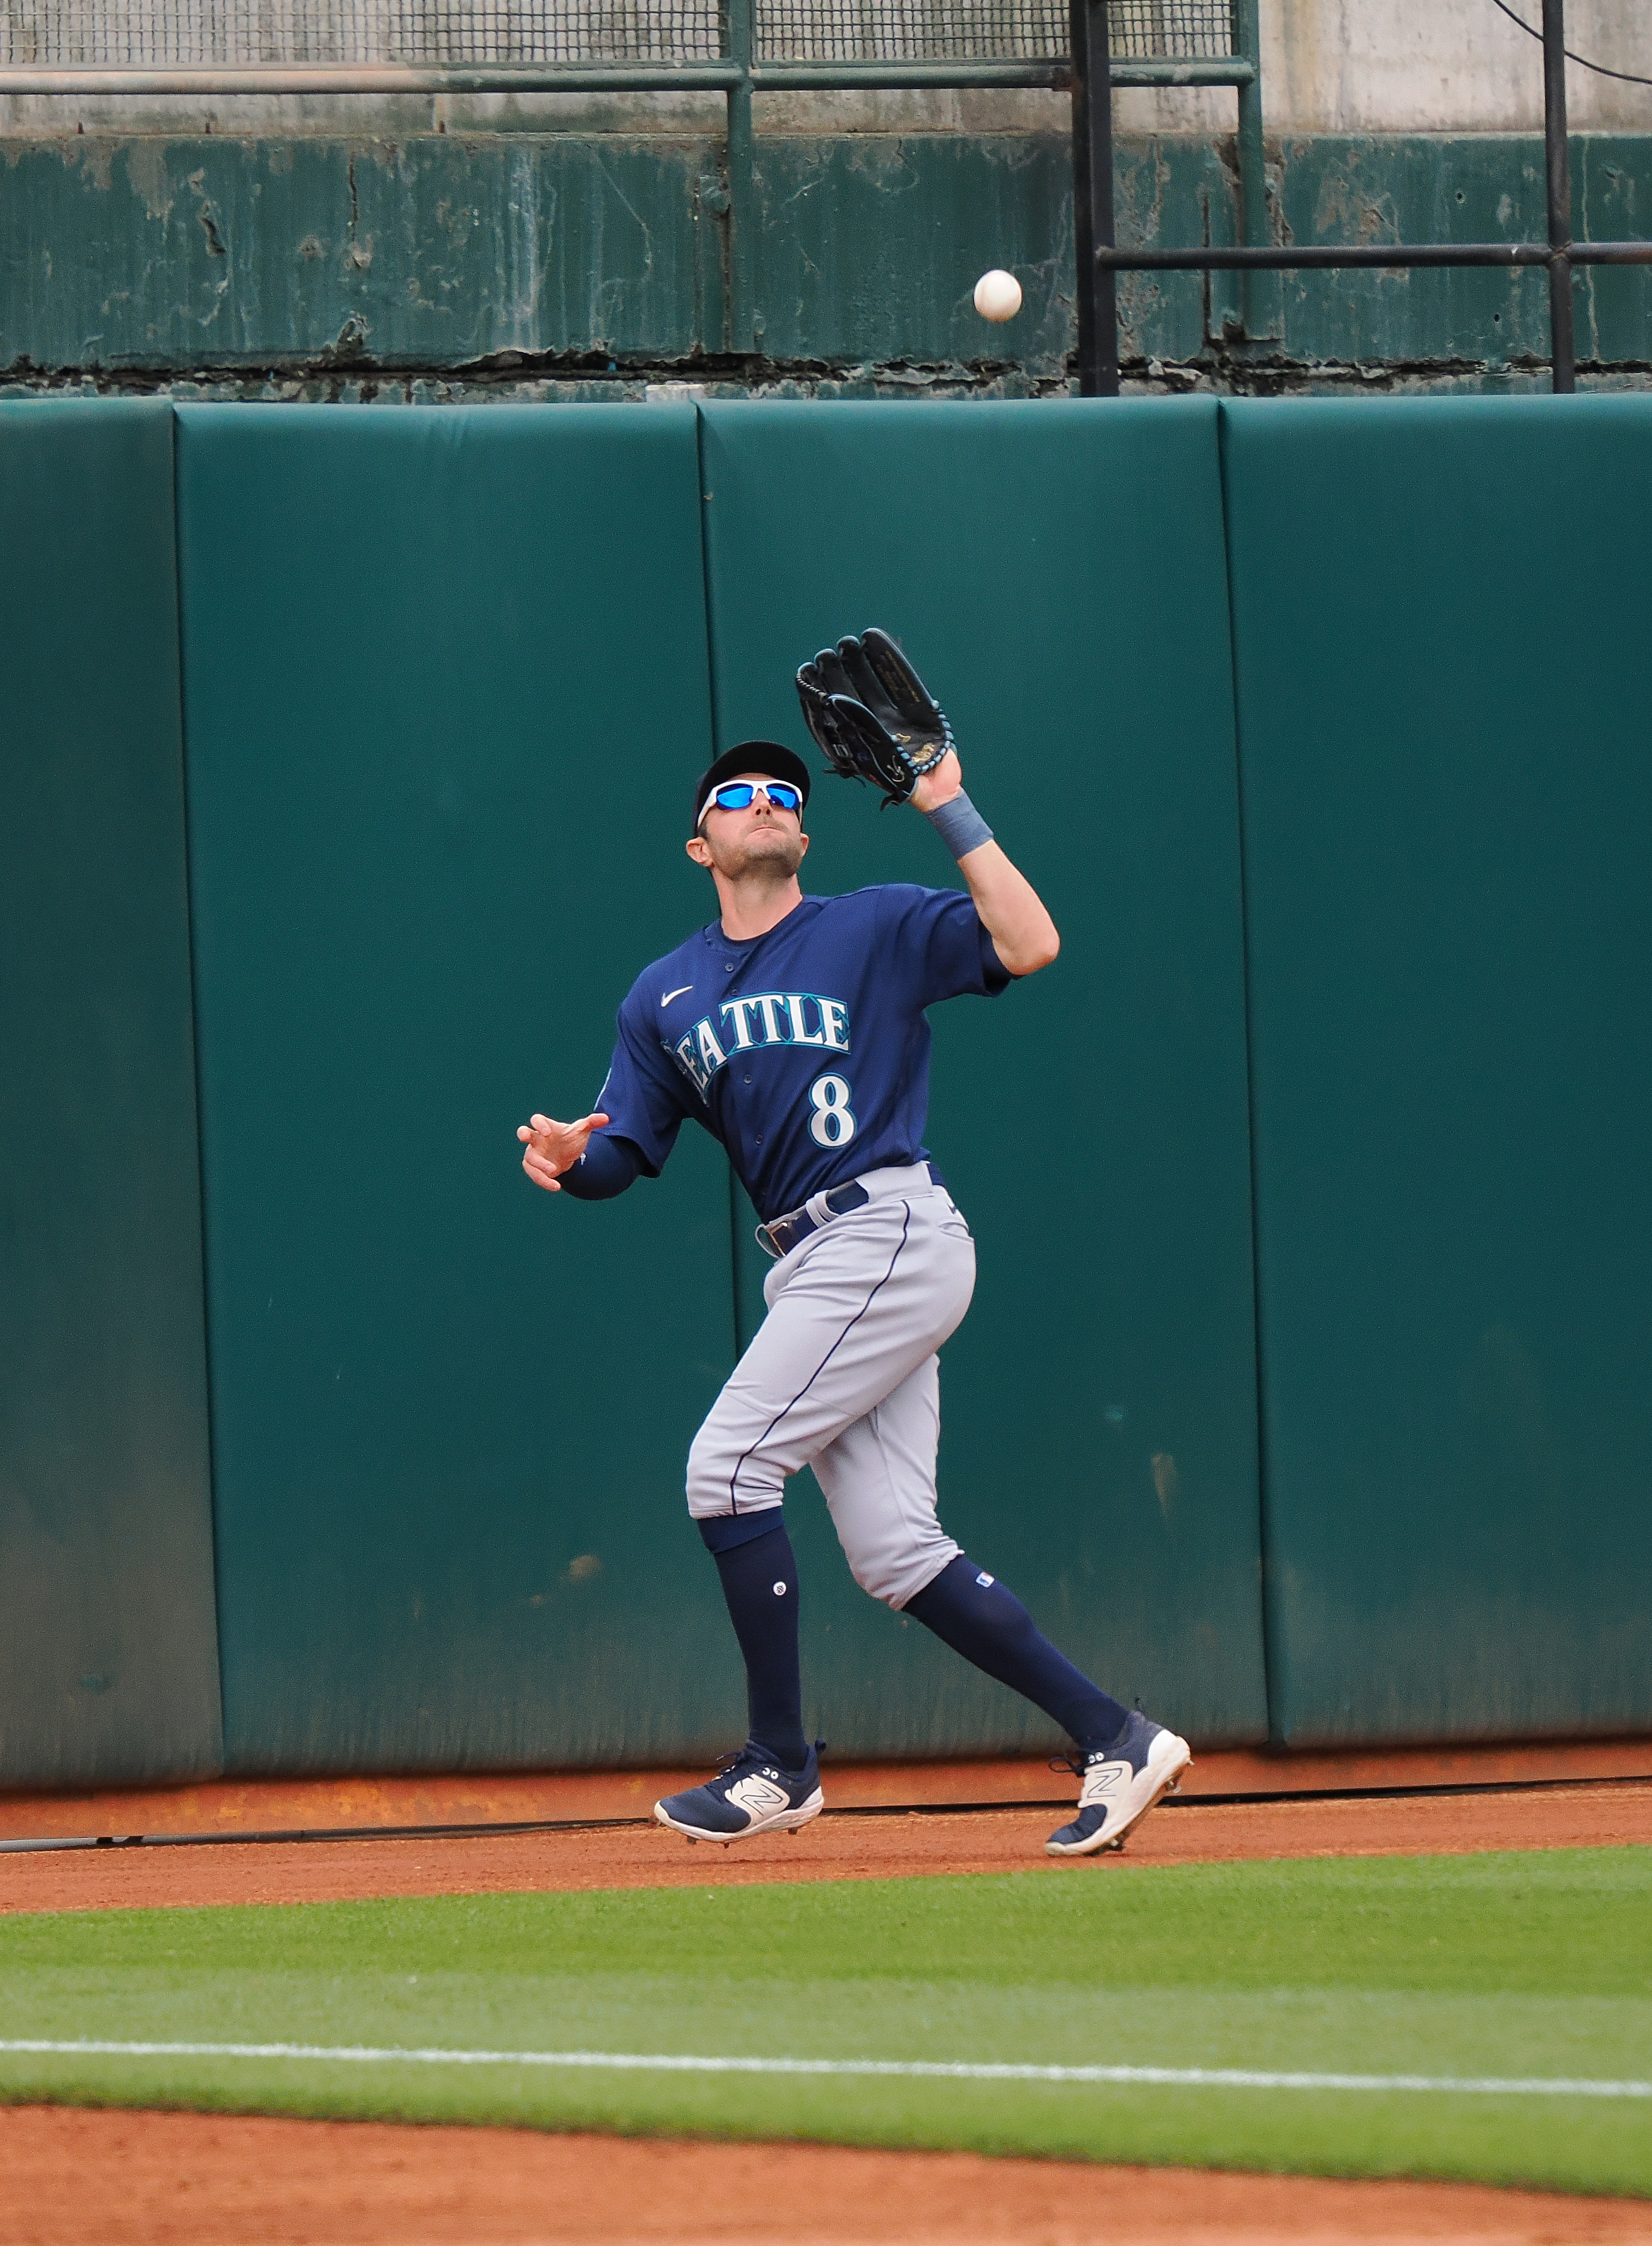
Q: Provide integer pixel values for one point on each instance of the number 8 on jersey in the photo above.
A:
(833, 1122)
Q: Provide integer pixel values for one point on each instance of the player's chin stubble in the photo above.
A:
(768, 847)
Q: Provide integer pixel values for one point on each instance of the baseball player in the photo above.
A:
(792, 1028)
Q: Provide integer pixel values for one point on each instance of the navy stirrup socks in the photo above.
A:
(760, 1584)
(977, 1616)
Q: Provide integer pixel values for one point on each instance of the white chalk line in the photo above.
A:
(1174, 2078)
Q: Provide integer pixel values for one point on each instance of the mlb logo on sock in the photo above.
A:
(983, 1581)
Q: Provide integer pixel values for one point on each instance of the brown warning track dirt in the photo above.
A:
(299, 1805)
(841, 1848)
(164, 2179)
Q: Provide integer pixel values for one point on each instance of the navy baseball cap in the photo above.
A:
(751, 756)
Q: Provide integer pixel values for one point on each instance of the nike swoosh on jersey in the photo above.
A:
(678, 993)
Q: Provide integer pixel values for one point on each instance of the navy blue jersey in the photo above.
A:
(805, 1051)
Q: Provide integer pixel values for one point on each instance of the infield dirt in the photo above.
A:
(163, 2179)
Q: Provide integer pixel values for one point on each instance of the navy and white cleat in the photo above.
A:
(1121, 1784)
(751, 1793)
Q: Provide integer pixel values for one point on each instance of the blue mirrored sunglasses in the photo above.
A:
(739, 795)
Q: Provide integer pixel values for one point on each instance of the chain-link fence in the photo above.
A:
(248, 34)
(231, 34)
(909, 31)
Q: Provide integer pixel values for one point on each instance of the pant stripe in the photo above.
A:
(906, 1226)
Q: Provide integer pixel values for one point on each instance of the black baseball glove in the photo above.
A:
(873, 715)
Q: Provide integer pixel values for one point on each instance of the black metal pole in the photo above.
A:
(1360, 257)
(1557, 148)
(1092, 214)
(1351, 257)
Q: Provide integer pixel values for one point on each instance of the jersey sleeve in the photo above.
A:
(609, 1167)
(643, 1095)
(937, 940)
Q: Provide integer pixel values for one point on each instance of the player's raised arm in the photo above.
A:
(877, 721)
(553, 1148)
(1011, 910)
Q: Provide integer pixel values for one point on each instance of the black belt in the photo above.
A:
(782, 1234)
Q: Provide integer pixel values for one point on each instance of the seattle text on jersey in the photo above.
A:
(768, 1018)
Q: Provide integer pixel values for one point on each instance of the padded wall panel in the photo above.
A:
(445, 675)
(1056, 573)
(1442, 622)
(108, 1659)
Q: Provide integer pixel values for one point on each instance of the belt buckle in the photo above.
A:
(766, 1241)
(800, 1222)
(816, 1211)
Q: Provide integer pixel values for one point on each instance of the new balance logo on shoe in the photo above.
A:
(760, 1795)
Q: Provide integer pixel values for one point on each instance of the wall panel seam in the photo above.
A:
(195, 1067)
(736, 1315)
(1263, 1525)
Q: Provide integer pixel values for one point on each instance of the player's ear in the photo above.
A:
(695, 847)
(803, 840)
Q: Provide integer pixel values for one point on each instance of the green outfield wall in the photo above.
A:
(1304, 1394)
(108, 1651)
(1448, 804)
(1063, 564)
(430, 730)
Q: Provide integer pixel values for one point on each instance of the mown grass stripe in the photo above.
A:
(1190, 2077)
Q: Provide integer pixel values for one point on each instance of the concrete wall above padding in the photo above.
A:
(407, 265)
(108, 1663)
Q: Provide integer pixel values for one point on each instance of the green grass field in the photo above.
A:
(1449, 1968)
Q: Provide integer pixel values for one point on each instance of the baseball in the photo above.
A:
(997, 296)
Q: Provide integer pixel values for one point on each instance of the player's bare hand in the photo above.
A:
(940, 786)
(553, 1146)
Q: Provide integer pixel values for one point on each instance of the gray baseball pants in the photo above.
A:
(842, 1376)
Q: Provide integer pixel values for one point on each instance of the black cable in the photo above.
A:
(1582, 61)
